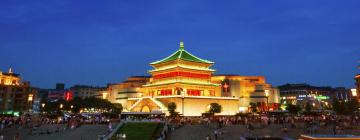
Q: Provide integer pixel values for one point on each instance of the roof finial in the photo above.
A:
(181, 44)
(10, 70)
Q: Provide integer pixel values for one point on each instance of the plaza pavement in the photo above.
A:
(84, 132)
(234, 132)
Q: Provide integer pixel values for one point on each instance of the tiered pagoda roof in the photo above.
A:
(182, 54)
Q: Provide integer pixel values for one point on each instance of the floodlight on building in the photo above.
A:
(30, 98)
(243, 109)
(353, 92)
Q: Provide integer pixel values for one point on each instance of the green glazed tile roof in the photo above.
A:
(189, 83)
(182, 54)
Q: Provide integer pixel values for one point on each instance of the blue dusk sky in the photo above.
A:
(99, 42)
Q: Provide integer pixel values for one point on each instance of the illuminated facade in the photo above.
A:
(131, 88)
(249, 89)
(188, 81)
(9, 78)
(15, 96)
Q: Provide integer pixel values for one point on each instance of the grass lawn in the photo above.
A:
(138, 131)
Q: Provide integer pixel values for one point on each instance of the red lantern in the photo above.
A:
(68, 95)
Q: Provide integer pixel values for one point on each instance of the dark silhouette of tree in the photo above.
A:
(308, 107)
(172, 108)
(215, 108)
(253, 107)
(352, 105)
(293, 109)
(336, 105)
(118, 107)
(78, 103)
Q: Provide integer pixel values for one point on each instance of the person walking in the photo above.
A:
(110, 127)
(17, 136)
(216, 134)
(208, 137)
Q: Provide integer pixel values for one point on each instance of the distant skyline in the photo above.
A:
(100, 42)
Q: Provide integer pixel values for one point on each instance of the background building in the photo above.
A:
(84, 91)
(318, 97)
(249, 89)
(15, 96)
(60, 86)
(357, 85)
(130, 88)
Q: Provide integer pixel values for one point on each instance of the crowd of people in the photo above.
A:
(308, 124)
(148, 118)
(45, 125)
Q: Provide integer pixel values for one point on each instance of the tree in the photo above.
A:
(117, 108)
(342, 108)
(253, 107)
(172, 108)
(293, 109)
(336, 105)
(77, 103)
(215, 108)
(308, 107)
(352, 105)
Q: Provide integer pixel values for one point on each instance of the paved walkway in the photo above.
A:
(234, 132)
(85, 132)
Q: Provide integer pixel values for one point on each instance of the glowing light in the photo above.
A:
(61, 106)
(68, 95)
(283, 107)
(208, 107)
(291, 97)
(104, 95)
(353, 92)
(43, 105)
(243, 109)
(320, 97)
(30, 98)
(267, 92)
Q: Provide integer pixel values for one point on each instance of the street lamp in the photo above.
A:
(30, 99)
(267, 98)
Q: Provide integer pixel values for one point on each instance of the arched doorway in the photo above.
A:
(145, 109)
